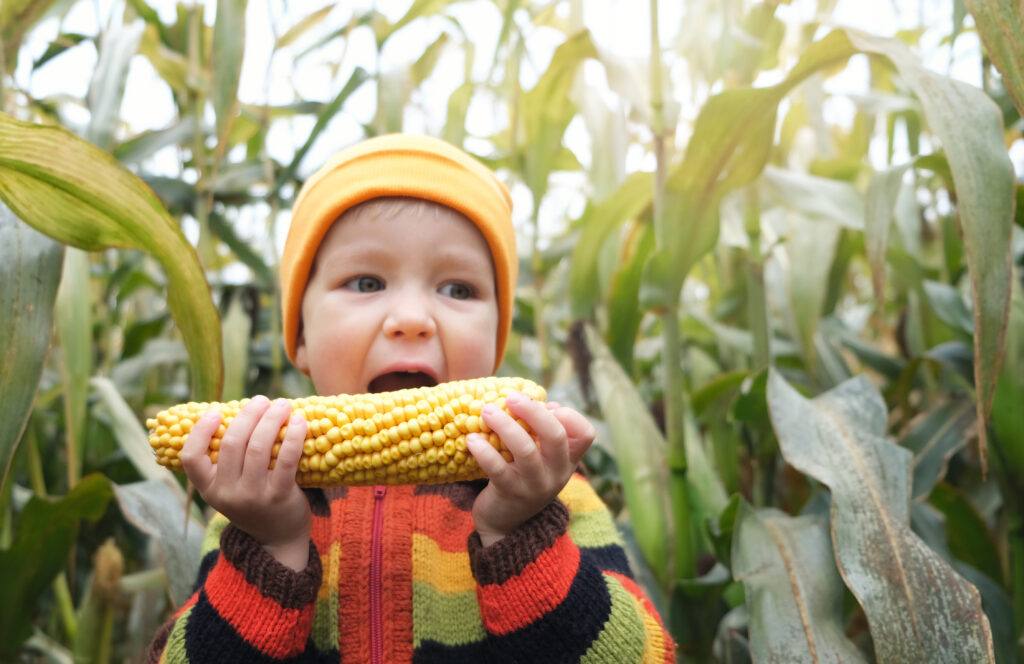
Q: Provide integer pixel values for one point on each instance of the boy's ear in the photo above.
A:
(301, 356)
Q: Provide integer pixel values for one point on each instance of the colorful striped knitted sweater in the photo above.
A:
(398, 574)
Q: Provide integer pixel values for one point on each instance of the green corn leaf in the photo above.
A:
(639, 450)
(106, 89)
(933, 438)
(63, 42)
(880, 200)
(732, 140)
(545, 119)
(419, 8)
(811, 247)
(302, 26)
(157, 508)
(918, 608)
(30, 268)
(43, 538)
(1000, 24)
(970, 127)
(624, 311)
(237, 331)
(359, 76)
(17, 18)
(455, 119)
(111, 408)
(73, 325)
(226, 58)
(794, 591)
(1007, 414)
(816, 197)
(598, 223)
(80, 195)
(969, 537)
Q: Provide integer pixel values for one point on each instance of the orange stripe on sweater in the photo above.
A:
(442, 522)
(534, 592)
(271, 628)
(189, 603)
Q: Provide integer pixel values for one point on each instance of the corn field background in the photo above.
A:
(777, 260)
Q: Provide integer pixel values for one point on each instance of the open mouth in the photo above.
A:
(401, 380)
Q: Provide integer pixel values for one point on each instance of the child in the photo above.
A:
(398, 271)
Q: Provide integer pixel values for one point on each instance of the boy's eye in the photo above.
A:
(457, 290)
(365, 284)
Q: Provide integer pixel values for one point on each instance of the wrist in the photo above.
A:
(488, 538)
(292, 554)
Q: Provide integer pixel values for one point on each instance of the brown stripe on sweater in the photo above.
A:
(504, 559)
(290, 589)
(461, 494)
(318, 503)
(159, 641)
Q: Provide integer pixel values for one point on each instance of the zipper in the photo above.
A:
(376, 578)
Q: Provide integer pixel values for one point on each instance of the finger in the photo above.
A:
(488, 458)
(194, 460)
(553, 405)
(516, 439)
(232, 447)
(551, 435)
(578, 429)
(287, 462)
(257, 453)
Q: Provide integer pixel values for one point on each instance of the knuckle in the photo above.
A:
(189, 457)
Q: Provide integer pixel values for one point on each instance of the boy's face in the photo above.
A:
(400, 301)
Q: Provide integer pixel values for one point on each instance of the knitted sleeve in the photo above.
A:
(246, 607)
(560, 589)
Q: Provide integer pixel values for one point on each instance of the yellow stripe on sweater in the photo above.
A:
(580, 497)
(654, 653)
(446, 571)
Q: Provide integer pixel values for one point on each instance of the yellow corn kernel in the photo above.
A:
(407, 436)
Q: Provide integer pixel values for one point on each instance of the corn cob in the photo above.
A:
(412, 436)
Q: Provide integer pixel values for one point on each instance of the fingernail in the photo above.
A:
(490, 409)
(513, 397)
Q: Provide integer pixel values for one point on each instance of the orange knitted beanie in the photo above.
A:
(398, 165)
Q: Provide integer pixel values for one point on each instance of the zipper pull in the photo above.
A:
(379, 491)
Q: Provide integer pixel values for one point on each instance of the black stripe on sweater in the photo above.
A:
(563, 635)
(211, 639)
(205, 565)
(610, 558)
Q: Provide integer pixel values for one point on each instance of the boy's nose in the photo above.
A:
(410, 319)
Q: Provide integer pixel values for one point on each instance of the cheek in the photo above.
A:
(472, 352)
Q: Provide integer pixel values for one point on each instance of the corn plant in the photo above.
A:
(801, 338)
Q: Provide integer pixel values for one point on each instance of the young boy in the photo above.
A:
(398, 271)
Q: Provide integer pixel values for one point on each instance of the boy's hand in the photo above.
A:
(540, 468)
(266, 503)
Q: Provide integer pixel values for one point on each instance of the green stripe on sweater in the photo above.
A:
(211, 540)
(593, 529)
(448, 618)
(325, 623)
(174, 649)
(622, 639)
